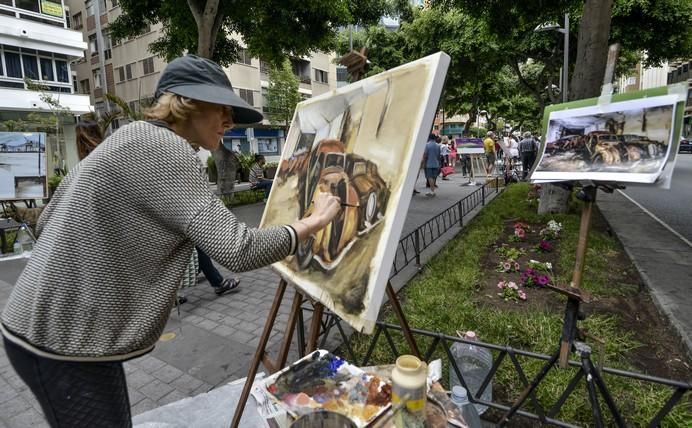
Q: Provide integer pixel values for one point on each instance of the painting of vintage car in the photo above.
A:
(363, 195)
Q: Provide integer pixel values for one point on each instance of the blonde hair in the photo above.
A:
(172, 108)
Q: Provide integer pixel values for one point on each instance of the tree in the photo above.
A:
(270, 29)
(282, 95)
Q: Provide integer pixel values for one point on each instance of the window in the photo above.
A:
(97, 78)
(31, 5)
(147, 29)
(77, 21)
(13, 64)
(148, 66)
(84, 86)
(264, 67)
(247, 95)
(114, 3)
(102, 7)
(321, 76)
(106, 44)
(46, 69)
(121, 73)
(90, 8)
(244, 57)
(134, 105)
(129, 70)
(93, 45)
(30, 66)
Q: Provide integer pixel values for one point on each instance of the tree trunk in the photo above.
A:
(592, 49)
(226, 168)
(592, 55)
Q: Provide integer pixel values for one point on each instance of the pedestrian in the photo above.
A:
(431, 158)
(114, 243)
(527, 150)
(257, 180)
(489, 149)
(453, 153)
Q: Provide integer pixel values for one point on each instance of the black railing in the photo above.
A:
(413, 244)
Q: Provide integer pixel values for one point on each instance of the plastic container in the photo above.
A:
(24, 241)
(409, 383)
(474, 363)
(467, 410)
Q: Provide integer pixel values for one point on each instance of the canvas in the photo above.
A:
(629, 140)
(22, 165)
(364, 143)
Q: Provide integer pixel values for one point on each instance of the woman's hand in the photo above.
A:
(326, 207)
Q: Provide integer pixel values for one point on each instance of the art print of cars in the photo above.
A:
(363, 193)
(685, 145)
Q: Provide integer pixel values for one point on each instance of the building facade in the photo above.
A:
(129, 71)
(36, 84)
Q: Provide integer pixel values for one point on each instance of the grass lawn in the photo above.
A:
(457, 291)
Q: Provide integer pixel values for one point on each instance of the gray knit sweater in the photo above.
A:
(114, 243)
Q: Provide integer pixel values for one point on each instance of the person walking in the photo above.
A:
(527, 150)
(431, 159)
(453, 153)
(104, 273)
(489, 148)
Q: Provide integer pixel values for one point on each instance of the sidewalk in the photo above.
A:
(212, 339)
(663, 260)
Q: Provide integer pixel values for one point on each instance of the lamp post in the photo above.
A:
(549, 26)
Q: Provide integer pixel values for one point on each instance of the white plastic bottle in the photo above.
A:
(467, 410)
(24, 240)
(474, 363)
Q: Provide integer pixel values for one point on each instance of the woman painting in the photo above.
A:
(115, 241)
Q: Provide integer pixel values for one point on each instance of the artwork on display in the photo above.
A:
(469, 146)
(22, 165)
(629, 140)
(362, 142)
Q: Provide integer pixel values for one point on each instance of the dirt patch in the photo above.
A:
(661, 352)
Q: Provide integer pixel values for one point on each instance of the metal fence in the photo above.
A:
(409, 250)
(413, 244)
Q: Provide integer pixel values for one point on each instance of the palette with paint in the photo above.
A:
(323, 381)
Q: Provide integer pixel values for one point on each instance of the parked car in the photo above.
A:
(685, 145)
(364, 195)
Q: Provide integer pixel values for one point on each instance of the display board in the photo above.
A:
(22, 165)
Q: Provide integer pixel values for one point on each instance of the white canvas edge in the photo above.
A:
(439, 63)
(642, 178)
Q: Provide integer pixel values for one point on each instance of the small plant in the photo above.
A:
(533, 278)
(508, 252)
(508, 266)
(551, 231)
(509, 290)
(543, 247)
(540, 266)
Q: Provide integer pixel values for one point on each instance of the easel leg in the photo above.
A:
(315, 325)
(290, 327)
(259, 353)
(394, 300)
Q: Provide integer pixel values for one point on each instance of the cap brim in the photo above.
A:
(243, 113)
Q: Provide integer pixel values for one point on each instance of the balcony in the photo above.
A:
(43, 11)
(36, 35)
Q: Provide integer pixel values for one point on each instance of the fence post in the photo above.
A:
(461, 213)
(416, 244)
(497, 184)
(483, 195)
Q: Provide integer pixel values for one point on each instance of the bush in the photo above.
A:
(211, 169)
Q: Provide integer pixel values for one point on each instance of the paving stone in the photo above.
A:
(14, 406)
(139, 378)
(224, 331)
(135, 396)
(155, 389)
(167, 373)
(144, 406)
(186, 384)
(215, 316)
(216, 306)
(230, 321)
(29, 418)
(202, 389)
(241, 336)
(171, 397)
(208, 325)
(149, 364)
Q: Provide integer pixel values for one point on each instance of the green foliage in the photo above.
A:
(246, 160)
(269, 29)
(11, 125)
(53, 182)
(282, 94)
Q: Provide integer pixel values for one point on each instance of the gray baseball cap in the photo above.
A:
(201, 79)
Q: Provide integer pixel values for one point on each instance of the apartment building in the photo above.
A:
(37, 44)
(130, 71)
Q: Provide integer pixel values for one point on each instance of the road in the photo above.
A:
(674, 206)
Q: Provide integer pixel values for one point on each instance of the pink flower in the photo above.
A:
(513, 286)
(501, 285)
(520, 233)
(506, 266)
(521, 294)
(516, 266)
(543, 280)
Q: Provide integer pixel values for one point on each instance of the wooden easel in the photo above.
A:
(273, 366)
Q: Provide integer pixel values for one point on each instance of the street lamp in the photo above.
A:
(550, 26)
